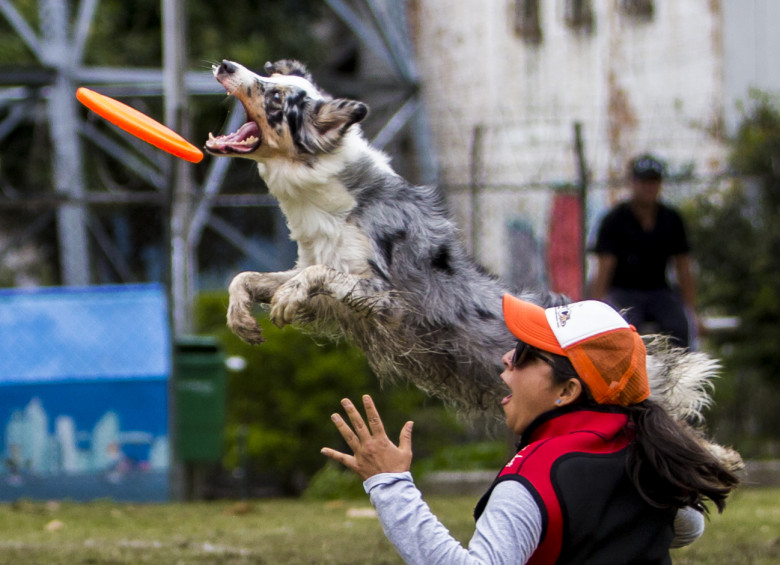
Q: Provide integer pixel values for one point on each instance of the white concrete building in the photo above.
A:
(505, 81)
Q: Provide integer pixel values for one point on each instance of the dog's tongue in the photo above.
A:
(244, 140)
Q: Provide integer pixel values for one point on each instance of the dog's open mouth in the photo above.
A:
(245, 140)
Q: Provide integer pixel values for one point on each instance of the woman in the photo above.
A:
(602, 474)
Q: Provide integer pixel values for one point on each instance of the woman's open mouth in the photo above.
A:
(506, 399)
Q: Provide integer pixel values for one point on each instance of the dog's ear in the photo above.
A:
(327, 122)
(339, 114)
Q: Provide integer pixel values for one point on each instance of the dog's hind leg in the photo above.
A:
(362, 295)
(245, 290)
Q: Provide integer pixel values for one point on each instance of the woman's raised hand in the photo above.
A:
(373, 452)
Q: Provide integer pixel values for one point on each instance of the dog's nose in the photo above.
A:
(227, 67)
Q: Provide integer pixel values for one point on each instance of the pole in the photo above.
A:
(475, 180)
(582, 186)
(67, 158)
(180, 179)
(178, 214)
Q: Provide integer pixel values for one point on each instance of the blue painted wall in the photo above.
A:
(83, 393)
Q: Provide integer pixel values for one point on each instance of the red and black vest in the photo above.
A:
(574, 465)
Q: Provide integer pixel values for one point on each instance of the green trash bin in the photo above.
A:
(199, 387)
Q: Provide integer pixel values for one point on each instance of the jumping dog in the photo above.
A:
(379, 260)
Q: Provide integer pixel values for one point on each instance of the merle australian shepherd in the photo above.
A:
(379, 259)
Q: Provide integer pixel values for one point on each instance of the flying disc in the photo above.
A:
(139, 124)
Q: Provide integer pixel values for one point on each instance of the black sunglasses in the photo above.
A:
(525, 353)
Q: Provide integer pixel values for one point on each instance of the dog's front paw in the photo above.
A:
(243, 324)
(287, 302)
(245, 290)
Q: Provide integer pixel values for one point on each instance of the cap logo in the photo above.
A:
(563, 315)
(575, 322)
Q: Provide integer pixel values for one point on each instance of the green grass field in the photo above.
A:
(300, 532)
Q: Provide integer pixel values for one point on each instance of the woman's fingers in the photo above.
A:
(405, 438)
(346, 432)
(354, 416)
(362, 433)
(372, 416)
(347, 460)
(373, 452)
(375, 426)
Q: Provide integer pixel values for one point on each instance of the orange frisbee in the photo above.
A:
(139, 124)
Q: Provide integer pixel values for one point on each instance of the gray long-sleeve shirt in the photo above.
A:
(508, 531)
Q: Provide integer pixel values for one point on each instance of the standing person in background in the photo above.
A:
(636, 241)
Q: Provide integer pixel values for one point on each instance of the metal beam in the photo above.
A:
(239, 241)
(397, 121)
(84, 20)
(392, 45)
(115, 81)
(16, 115)
(386, 17)
(153, 175)
(213, 182)
(151, 80)
(110, 250)
(27, 76)
(14, 95)
(22, 28)
(67, 158)
(40, 222)
(366, 34)
(129, 198)
(181, 252)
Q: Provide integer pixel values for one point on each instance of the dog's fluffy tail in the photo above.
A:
(680, 380)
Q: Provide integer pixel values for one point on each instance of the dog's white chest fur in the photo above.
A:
(317, 206)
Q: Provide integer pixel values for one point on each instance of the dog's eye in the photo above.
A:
(277, 97)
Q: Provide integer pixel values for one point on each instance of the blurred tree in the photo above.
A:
(127, 33)
(736, 236)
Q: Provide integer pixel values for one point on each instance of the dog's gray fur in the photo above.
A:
(379, 260)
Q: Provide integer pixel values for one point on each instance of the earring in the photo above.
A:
(558, 401)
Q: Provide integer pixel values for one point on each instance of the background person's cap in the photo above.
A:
(607, 353)
(647, 167)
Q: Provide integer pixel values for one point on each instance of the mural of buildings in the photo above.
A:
(83, 393)
(31, 448)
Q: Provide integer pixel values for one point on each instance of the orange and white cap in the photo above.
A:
(607, 353)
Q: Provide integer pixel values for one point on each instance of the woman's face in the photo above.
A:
(533, 388)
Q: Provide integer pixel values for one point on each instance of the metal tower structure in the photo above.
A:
(59, 47)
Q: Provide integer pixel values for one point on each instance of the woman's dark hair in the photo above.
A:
(670, 466)
(668, 463)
